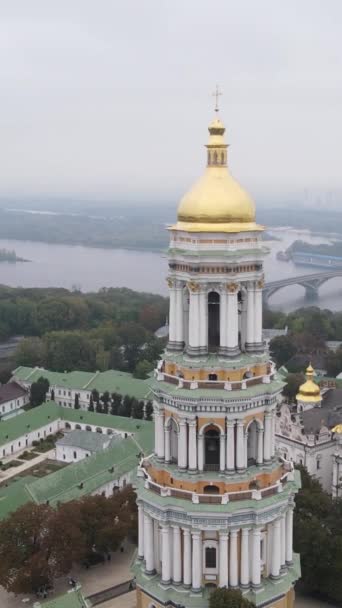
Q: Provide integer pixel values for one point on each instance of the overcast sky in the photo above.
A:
(112, 99)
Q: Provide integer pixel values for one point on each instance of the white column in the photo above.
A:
(159, 433)
(166, 555)
(260, 449)
(187, 559)
(177, 556)
(256, 575)
(230, 445)
(223, 559)
(183, 445)
(192, 445)
(273, 414)
(267, 436)
(194, 329)
(179, 313)
(276, 540)
(244, 570)
(200, 452)
(283, 541)
(223, 318)
(232, 320)
(156, 545)
(203, 318)
(250, 314)
(148, 544)
(289, 535)
(196, 561)
(140, 531)
(172, 312)
(258, 315)
(233, 560)
(240, 446)
(222, 452)
(167, 440)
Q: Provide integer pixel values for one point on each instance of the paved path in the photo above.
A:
(27, 464)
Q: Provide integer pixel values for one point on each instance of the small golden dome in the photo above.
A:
(217, 202)
(337, 429)
(309, 391)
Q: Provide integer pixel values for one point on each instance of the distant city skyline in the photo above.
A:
(113, 100)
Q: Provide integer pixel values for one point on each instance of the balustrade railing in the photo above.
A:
(215, 384)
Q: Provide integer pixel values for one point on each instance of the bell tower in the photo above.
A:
(215, 500)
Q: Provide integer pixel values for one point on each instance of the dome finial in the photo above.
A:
(217, 93)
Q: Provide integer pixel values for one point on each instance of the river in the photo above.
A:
(89, 269)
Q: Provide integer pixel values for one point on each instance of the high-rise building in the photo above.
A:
(215, 501)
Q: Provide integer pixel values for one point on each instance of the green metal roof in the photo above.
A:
(214, 361)
(72, 599)
(209, 393)
(112, 381)
(87, 475)
(14, 494)
(28, 421)
(129, 425)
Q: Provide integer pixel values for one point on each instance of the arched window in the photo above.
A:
(252, 443)
(213, 320)
(211, 490)
(212, 450)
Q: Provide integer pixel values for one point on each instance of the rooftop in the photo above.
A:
(329, 415)
(94, 442)
(10, 391)
(72, 599)
(112, 381)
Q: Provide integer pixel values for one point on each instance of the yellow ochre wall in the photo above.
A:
(232, 375)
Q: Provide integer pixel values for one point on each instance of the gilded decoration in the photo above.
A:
(261, 283)
(232, 287)
(170, 282)
(193, 286)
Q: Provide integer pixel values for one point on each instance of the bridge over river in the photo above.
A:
(310, 282)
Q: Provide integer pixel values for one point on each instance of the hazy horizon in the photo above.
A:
(113, 103)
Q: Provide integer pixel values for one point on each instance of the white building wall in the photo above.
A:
(26, 440)
(13, 405)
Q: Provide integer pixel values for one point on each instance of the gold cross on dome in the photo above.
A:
(217, 94)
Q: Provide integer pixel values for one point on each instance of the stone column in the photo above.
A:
(196, 561)
(179, 315)
(192, 445)
(222, 452)
(167, 443)
(166, 555)
(156, 545)
(233, 560)
(159, 434)
(260, 450)
(194, 319)
(140, 531)
(276, 540)
(258, 343)
(200, 452)
(187, 558)
(230, 446)
(148, 544)
(267, 436)
(289, 535)
(273, 434)
(203, 319)
(232, 320)
(250, 317)
(256, 562)
(244, 569)
(172, 314)
(223, 559)
(177, 556)
(183, 445)
(240, 446)
(283, 542)
(223, 321)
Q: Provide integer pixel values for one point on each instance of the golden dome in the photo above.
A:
(216, 202)
(337, 429)
(309, 391)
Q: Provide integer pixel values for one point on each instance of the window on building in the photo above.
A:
(69, 393)
(210, 557)
(318, 464)
(75, 454)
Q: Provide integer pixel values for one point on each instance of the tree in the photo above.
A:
(293, 382)
(91, 404)
(282, 349)
(116, 403)
(77, 401)
(126, 407)
(38, 391)
(228, 598)
(142, 369)
(137, 409)
(52, 395)
(30, 352)
(149, 410)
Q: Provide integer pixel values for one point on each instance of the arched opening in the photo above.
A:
(67, 425)
(213, 320)
(212, 450)
(211, 490)
(173, 441)
(78, 426)
(252, 443)
(98, 429)
(222, 158)
(212, 377)
(88, 428)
